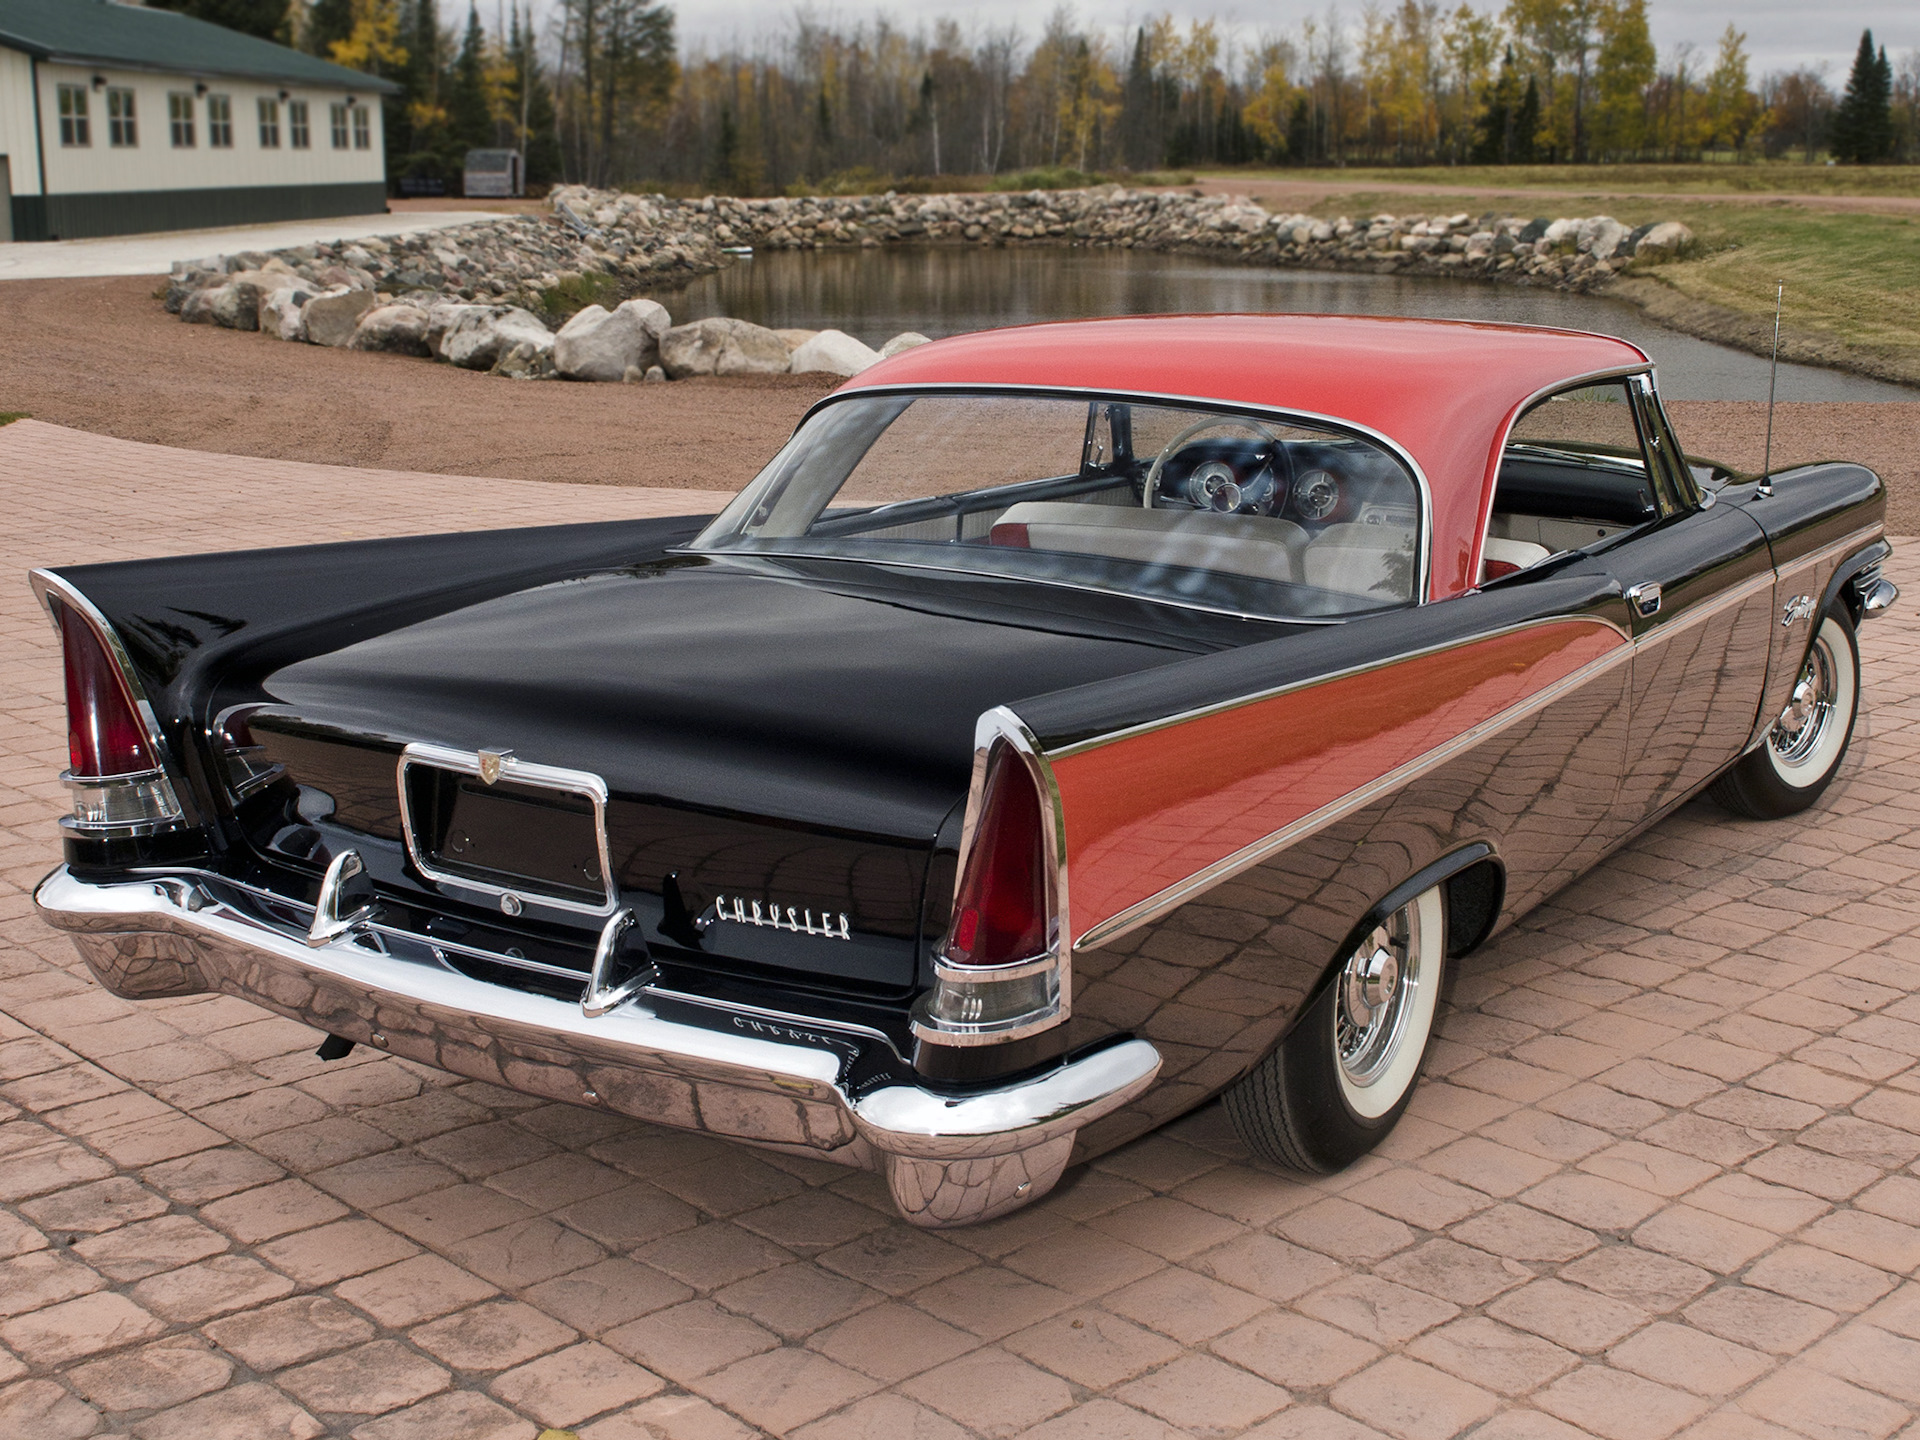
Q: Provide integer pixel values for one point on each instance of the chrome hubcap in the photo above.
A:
(1374, 993)
(1803, 724)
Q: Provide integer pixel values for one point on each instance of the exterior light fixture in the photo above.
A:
(99, 82)
(199, 88)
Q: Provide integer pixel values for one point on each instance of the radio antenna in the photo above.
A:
(1773, 377)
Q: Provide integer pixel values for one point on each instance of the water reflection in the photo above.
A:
(876, 294)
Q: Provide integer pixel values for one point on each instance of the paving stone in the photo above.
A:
(575, 1384)
(491, 1336)
(289, 1331)
(990, 1391)
(155, 1377)
(370, 1379)
(414, 1290)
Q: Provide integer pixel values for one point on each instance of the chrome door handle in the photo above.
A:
(1645, 598)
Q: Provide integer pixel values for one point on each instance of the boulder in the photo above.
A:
(598, 344)
(187, 281)
(835, 352)
(1664, 241)
(236, 306)
(794, 339)
(196, 308)
(484, 333)
(1560, 230)
(394, 329)
(442, 316)
(280, 313)
(906, 340)
(1599, 236)
(331, 318)
(722, 346)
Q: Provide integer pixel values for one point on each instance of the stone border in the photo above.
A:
(479, 296)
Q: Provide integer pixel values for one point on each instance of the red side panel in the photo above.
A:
(1148, 811)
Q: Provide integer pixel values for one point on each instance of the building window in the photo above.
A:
(74, 129)
(180, 120)
(220, 122)
(269, 124)
(362, 128)
(121, 130)
(337, 116)
(299, 131)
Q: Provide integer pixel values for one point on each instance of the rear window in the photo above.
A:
(1241, 512)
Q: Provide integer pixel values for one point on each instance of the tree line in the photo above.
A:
(601, 92)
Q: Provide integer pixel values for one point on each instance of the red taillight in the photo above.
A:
(104, 733)
(1000, 907)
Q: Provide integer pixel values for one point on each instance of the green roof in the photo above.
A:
(100, 32)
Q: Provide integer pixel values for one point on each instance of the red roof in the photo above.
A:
(1444, 390)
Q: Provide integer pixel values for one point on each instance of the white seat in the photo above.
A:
(1253, 545)
(1358, 559)
(1500, 556)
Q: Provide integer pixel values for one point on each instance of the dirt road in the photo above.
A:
(1304, 194)
(101, 355)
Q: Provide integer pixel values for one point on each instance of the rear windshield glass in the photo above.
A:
(1237, 512)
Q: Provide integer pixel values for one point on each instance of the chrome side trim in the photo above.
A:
(520, 772)
(1144, 911)
(1865, 535)
(1423, 587)
(1000, 726)
(1238, 702)
(1705, 610)
(948, 1160)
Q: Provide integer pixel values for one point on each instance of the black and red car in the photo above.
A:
(1069, 725)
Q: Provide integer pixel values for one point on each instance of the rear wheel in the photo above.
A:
(1339, 1082)
(1793, 766)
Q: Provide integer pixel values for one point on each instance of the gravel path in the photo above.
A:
(101, 355)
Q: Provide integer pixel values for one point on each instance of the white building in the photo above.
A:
(115, 120)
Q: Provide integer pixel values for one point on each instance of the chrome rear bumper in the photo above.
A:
(948, 1161)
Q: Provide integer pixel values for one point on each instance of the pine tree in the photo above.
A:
(1526, 124)
(265, 18)
(1863, 120)
(1499, 115)
(530, 99)
(469, 118)
(328, 22)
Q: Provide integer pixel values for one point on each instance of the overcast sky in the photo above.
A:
(1780, 33)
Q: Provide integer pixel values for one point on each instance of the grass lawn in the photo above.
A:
(1764, 178)
(1853, 279)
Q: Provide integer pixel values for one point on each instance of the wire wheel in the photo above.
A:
(1383, 1006)
(1804, 732)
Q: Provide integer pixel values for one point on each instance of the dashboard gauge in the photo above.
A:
(1316, 494)
(1214, 486)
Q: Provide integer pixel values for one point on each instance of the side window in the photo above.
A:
(299, 126)
(337, 122)
(75, 125)
(220, 121)
(180, 120)
(122, 126)
(1574, 473)
(269, 124)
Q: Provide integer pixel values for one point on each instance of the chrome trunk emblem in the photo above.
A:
(835, 926)
(490, 763)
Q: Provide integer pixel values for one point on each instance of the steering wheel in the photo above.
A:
(1168, 451)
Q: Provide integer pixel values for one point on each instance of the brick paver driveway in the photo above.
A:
(1661, 1180)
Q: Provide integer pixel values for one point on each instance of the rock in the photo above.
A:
(394, 329)
(280, 313)
(905, 340)
(722, 346)
(331, 318)
(1664, 241)
(1533, 230)
(236, 306)
(598, 344)
(654, 376)
(528, 360)
(1560, 230)
(442, 316)
(1599, 236)
(484, 333)
(794, 339)
(835, 352)
(186, 280)
(197, 307)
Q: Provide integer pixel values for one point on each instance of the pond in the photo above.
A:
(876, 294)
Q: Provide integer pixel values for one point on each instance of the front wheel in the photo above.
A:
(1339, 1082)
(1793, 766)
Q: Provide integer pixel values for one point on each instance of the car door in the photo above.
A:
(1699, 584)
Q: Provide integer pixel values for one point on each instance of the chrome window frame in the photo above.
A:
(1230, 409)
(520, 772)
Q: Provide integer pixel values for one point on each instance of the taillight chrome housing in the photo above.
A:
(116, 755)
(1003, 971)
